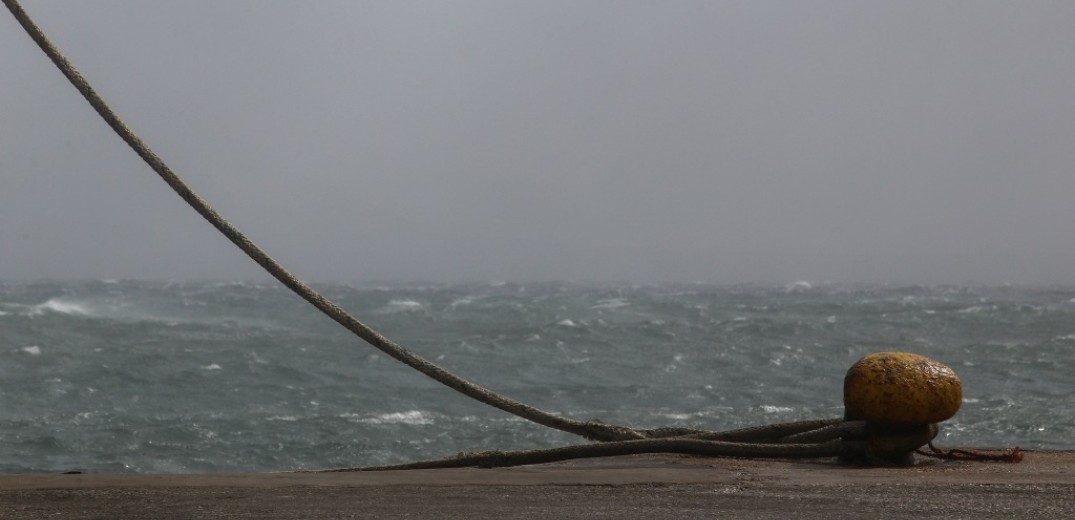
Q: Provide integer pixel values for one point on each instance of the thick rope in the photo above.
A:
(761, 442)
(589, 430)
(496, 459)
(768, 432)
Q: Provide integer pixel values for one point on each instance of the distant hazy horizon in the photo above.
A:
(724, 142)
(267, 281)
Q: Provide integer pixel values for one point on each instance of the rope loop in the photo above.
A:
(1013, 455)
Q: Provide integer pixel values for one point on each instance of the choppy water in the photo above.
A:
(197, 377)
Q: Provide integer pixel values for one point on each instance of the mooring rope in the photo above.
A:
(590, 430)
(680, 445)
(794, 440)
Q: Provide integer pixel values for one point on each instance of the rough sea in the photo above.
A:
(129, 376)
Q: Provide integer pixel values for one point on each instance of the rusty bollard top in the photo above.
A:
(901, 388)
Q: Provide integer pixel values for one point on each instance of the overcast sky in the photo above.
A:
(902, 142)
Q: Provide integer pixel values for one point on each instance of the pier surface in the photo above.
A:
(652, 487)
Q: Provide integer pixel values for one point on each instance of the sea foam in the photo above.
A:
(407, 305)
(60, 306)
(414, 417)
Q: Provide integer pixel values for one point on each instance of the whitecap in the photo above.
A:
(60, 306)
(283, 418)
(801, 285)
(405, 304)
(610, 303)
(33, 350)
(414, 417)
(767, 408)
(679, 416)
(566, 323)
(212, 366)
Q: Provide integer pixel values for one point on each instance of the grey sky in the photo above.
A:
(744, 141)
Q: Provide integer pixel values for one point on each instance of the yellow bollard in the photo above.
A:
(901, 396)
